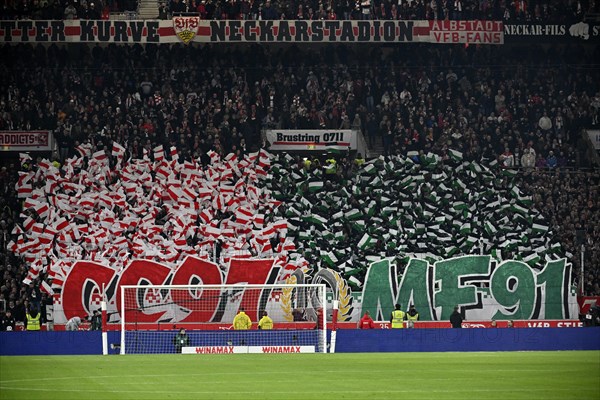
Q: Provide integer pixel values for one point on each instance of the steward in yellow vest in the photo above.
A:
(33, 320)
(331, 166)
(398, 317)
(412, 315)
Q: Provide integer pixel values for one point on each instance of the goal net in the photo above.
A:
(199, 319)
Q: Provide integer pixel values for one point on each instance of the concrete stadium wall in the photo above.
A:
(348, 341)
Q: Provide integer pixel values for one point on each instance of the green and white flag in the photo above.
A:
(538, 228)
(450, 251)
(353, 280)
(532, 259)
(304, 235)
(465, 229)
(352, 214)
(385, 211)
(291, 212)
(459, 206)
(455, 155)
(337, 215)
(406, 181)
(371, 207)
(366, 241)
(490, 229)
(329, 258)
(370, 168)
(359, 225)
(518, 209)
(315, 186)
(315, 219)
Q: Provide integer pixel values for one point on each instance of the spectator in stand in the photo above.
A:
(527, 159)
(269, 12)
(507, 159)
(70, 12)
(178, 7)
(7, 323)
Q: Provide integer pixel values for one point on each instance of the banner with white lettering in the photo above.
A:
(215, 350)
(191, 29)
(247, 349)
(25, 140)
(309, 140)
(580, 32)
(280, 349)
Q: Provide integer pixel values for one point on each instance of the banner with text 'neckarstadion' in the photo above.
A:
(191, 29)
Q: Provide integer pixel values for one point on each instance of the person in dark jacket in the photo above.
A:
(8, 322)
(456, 318)
(96, 321)
(181, 340)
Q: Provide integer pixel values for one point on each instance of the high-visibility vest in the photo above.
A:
(33, 323)
(397, 319)
(412, 317)
(331, 167)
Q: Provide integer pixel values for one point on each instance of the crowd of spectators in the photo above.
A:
(506, 10)
(523, 106)
(64, 9)
(15, 296)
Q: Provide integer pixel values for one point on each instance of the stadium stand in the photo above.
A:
(444, 107)
(518, 10)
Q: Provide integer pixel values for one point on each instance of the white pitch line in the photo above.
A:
(88, 390)
(317, 373)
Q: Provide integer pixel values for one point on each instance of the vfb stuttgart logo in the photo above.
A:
(186, 28)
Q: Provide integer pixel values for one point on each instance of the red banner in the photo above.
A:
(585, 302)
(489, 32)
(548, 323)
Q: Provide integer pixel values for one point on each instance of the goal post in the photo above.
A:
(199, 318)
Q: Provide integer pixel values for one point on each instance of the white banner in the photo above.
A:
(319, 140)
(25, 140)
(192, 29)
(247, 349)
(594, 135)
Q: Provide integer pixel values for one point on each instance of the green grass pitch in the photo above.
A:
(502, 375)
